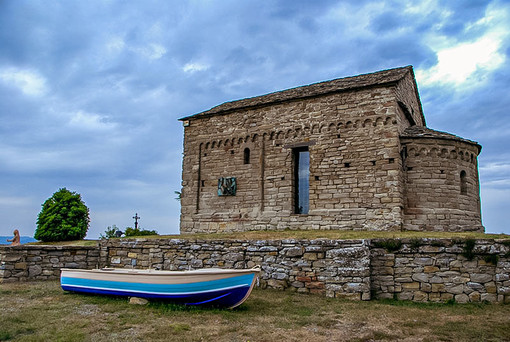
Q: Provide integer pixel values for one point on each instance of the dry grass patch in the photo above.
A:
(67, 243)
(42, 312)
(333, 234)
(299, 234)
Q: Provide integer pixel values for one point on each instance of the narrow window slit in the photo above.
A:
(301, 158)
(246, 156)
(463, 183)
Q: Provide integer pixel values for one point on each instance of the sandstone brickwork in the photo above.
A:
(365, 166)
(441, 182)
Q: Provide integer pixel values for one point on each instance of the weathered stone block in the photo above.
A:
(277, 284)
(481, 277)
(474, 296)
(438, 288)
(20, 266)
(423, 261)
(420, 296)
(456, 289)
(434, 297)
(293, 251)
(34, 271)
(461, 298)
(488, 297)
(491, 287)
(420, 277)
(474, 286)
(411, 286)
(436, 280)
(430, 269)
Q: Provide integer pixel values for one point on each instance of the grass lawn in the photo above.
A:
(41, 311)
(302, 234)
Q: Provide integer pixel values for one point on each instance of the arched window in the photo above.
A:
(247, 155)
(463, 183)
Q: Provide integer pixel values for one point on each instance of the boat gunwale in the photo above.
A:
(154, 272)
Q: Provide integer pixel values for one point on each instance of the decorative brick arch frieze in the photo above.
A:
(440, 152)
(303, 131)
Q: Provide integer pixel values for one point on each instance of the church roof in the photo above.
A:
(328, 87)
(424, 132)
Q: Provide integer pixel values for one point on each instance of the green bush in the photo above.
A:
(415, 243)
(110, 232)
(63, 217)
(468, 249)
(491, 259)
(137, 232)
(390, 245)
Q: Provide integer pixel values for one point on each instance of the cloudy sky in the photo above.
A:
(90, 91)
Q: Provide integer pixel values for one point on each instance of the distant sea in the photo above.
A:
(24, 239)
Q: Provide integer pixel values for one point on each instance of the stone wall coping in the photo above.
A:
(452, 240)
(323, 241)
(300, 240)
(316, 241)
(45, 247)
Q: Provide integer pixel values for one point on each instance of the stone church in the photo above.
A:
(351, 154)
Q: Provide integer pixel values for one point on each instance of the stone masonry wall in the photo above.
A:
(32, 262)
(441, 270)
(437, 270)
(407, 93)
(355, 165)
(437, 197)
(335, 268)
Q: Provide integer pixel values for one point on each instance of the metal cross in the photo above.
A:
(136, 217)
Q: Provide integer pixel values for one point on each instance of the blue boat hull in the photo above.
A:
(222, 298)
(222, 289)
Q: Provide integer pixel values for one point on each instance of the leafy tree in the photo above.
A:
(63, 217)
(111, 232)
(139, 232)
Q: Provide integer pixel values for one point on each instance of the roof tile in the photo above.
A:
(424, 132)
(322, 88)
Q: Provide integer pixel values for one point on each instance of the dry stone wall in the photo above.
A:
(441, 270)
(436, 270)
(32, 262)
(336, 268)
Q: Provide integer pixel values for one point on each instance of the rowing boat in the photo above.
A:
(212, 287)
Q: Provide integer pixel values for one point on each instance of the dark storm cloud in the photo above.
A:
(90, 92)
